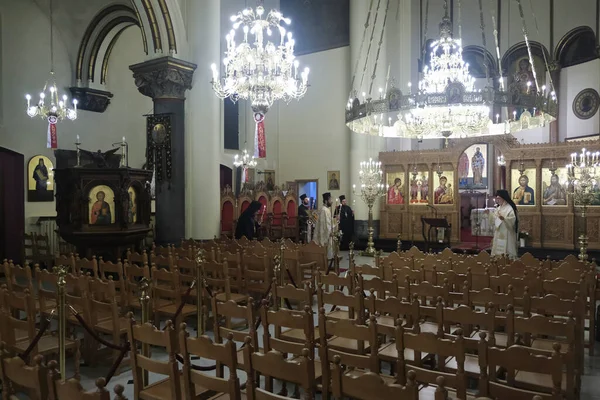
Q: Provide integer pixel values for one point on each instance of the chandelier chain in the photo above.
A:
(364, 71)
(526, 36)
(537, 28)
(424, 44)
(495, 32)
(51, 38)
(379, 48)
(362, 43)
(484, 41)
(459, 21)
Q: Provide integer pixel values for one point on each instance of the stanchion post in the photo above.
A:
(200, 292)
(145, 305)
(281, 276)
(351, 257)
(398, 245)
(277, 274)
(61, 271)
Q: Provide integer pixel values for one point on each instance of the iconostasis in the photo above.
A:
(427, 183)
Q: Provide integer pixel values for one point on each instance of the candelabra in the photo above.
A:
(371, 188)
(582, 176)
(246, 160)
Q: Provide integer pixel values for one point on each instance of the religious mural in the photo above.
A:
(444, 190)
(522, 80)
(419, 188)
(472, 168)
(40, 182)
(132, 206)
(523, 192)
(395, 191)
(102, 205)
(269, 175)
(554, 187)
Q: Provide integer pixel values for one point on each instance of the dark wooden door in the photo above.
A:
(12, 204)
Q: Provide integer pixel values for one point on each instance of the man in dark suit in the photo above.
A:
(346, 216)
(303, 216)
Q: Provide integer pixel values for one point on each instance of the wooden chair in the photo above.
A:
(204, 348)
(83, 266)
(517, 361)
(227, 311)
(108, 269)
(18, 377)
(144, 336)
(104, 316)
(19, 279)
(274, 365)
(139, 259)
(441, 349)
(133, 276)
(163, 261)
(370, 385)
(299, 297)
(71, 389)
(28, 249)
(46, 285)
(166, 300)
(257, 274)
(43, 253)
(66, 261)
(217, 278)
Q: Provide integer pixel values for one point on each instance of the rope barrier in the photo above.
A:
(36, 339)
(94, 334)
(113, 368)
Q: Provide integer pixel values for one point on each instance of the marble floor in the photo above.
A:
(590, 381)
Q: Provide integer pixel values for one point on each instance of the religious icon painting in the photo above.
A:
(472, 167)
(523, 187)
(443, 184)
(554, 187)
(419, 188)
(269, 175)
(40, 179)
(102, 205)
(333, 180)
(395, 188)
(132, 206)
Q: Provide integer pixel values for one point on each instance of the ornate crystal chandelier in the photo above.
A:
(371, 189)
(260, 71)
(245, 161)
(583, 177)
(51, 106)
(445, 103)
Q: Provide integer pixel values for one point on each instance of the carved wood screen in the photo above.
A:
(551, 221)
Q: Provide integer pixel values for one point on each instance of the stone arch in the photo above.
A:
(99, 40)
(478, 59)
(162, 22)
(579, 45)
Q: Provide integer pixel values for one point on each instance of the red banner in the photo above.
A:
(52, 139)
(260, 141)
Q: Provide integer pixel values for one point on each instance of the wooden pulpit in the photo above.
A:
(431, 227)
(102, 209)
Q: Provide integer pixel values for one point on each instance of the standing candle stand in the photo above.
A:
(582, 177)
(371, 189)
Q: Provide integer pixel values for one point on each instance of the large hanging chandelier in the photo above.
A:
(51, 106)
(260, 71)
(445, 103)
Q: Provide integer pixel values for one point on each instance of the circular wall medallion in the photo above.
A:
(586, 103)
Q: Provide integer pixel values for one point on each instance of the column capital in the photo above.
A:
(163, 78)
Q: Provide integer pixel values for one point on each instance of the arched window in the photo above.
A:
(576, 47)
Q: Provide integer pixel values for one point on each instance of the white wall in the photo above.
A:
(26, 43)
(313, 137)
(572, 81)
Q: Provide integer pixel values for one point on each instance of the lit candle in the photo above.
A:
(514, 115)
(77, 138)
(528, 87)
(28, 97)
(123, 139)
(497, 117)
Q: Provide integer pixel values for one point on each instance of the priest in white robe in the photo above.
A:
(324, 226)
(506, 222)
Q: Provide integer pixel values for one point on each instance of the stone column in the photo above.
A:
(204, 117)
(165, 80)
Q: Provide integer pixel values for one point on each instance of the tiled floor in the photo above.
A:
(590, 380)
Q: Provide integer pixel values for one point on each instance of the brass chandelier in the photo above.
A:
(445, 103)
